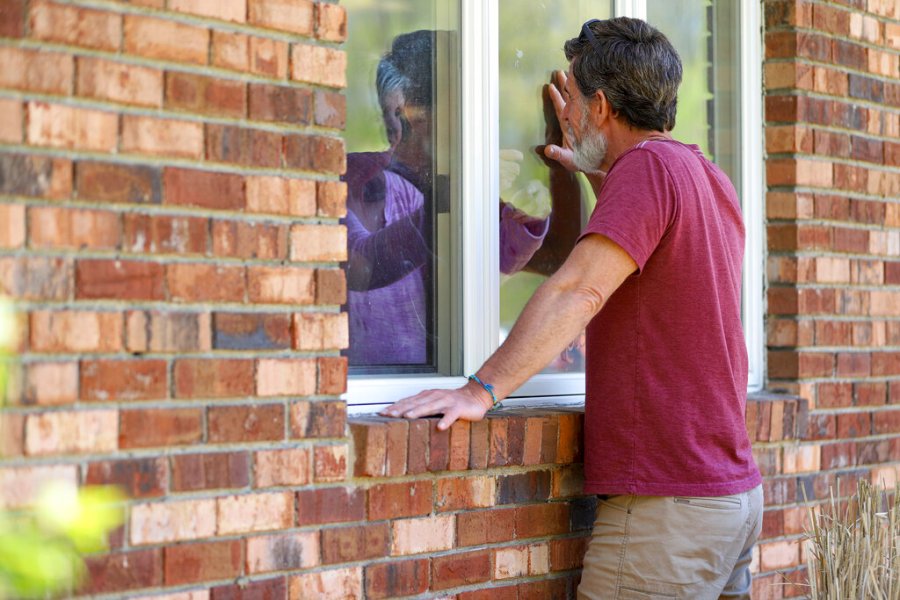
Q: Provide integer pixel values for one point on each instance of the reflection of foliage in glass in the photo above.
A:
(40, 547)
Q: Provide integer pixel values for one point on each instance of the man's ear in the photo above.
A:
(601, 109)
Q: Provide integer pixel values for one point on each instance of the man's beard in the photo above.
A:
(590, 150)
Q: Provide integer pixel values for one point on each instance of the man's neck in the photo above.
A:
(622, 138)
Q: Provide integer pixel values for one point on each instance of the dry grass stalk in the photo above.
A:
(854, 553)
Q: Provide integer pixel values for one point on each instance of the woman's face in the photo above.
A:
(415, 146)
(392, 113)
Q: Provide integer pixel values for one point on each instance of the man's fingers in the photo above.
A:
(449, 418)
(559, 103)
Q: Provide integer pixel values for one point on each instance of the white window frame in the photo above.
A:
(480, 164)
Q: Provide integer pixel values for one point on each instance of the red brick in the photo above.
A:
(255, 512)
(567, 554)
(282, 467)
(214, 378)
(333, 376)
(870, 394)
(281, 285)
(195, 563)
(36, 71)
(12, 18)
(458, 570)
(138, 477)
(124, 380)
(167, 331)
(315, 153)
(12, 436)
(225, 10)
(346, 583)
(52, 227)
(251, 331)
(397, 578)
(246, 423)
(69, 127)
(538, 520)
(210, 471)
(331, 22)
(321, 331)
(119, 82)
(417, 456)
(853, 364)
(281, 196)
(205, 283)
(282, 553)
(507, 592)
(318, 419)
(398, 500)
(108, 182)
(119, 280)
(546, 588)
(75, 331)
(159, 428)
(243, 146)
(459, 446)
(206, 95)
(885, 363)
(11, 128)
(250, 240)
(253, 590)
(330, 462)
(499, 431)
(486, 526)
(516, 440)
(161, 234)
(464, 493)
(330, 109)
(332, 199)
(357, 542)
(319, 65)
(396, 449)
(438, 447)
(281, 104)
(71, 432)
(285, 377)
(51, 22)
(165, 40)
(294, 16)
(204, 189)
(162, 137)
(330, 505)
(110, 573)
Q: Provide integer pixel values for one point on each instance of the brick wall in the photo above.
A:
(832, 110)
(169, 223)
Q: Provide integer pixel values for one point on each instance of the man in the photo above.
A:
(656, 277)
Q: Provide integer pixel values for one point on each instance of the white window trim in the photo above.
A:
(480, 271)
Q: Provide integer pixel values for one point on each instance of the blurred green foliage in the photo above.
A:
(41, 546)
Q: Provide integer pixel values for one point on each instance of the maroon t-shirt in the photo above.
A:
(666, 359)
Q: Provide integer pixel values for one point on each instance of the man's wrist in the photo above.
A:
(480, 394)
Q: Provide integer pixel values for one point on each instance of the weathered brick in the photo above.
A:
(319, 65)
(52, 227)
(123, 380)
(370, 442)
(78, 432)
(165, 40)
(162, 137)
(396, 579)
(321, 331)
(455, 493)
(20, 486)
(510, 562)
(195, 563)
(330, 109)
(330, 463)
(69, 127)
(73, 26)
(225, 10)
(285, 377)
(158, 428)
(36, 71)
(243, 146)
(315, 153)
(213, 378)
(210, 471)
(333, 377)
(122, 571)
(281, 285)
(245, 423)
(249, 240)
(138, 477)
(205, 282)
(255, 512)
(282, 552)
(119, 280)
(275, 587)
(251, 331)
(119, 82)
(108, 182)
(318, 419)
(75, 331)
(330, 505)
(172, 521)
(523, 487)
(459, 446)
(204, 189)
(779, 555)
(281, 196)
(281, 104)
(167, 331)
(37, 278)
(332, 199)
(331, 22)
(295, 16)
(425, 534)
(341, 583)
(51, 383)
(357, 542)
(282, 467)
(163, 234)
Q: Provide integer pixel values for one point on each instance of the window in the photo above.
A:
(444, 111)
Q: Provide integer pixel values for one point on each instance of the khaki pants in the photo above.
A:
(648, 547)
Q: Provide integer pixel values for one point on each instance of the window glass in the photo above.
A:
(402, 141)
(531, 41)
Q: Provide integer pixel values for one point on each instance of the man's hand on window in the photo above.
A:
(469, 403)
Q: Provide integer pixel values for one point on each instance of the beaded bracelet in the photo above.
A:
(489, 388)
